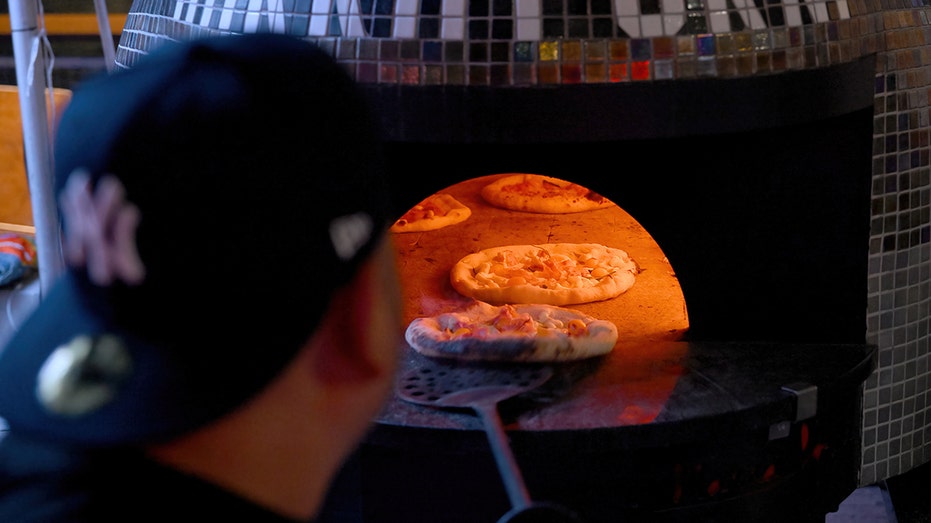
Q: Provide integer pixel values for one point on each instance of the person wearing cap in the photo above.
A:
(228, 324)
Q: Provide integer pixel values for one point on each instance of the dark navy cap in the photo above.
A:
(255, 164)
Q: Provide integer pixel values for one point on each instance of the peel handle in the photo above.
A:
(507, 466)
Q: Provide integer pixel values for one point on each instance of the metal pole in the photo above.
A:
(30, 79)
(106, 36)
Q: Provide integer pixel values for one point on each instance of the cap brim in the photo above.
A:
(155, 401)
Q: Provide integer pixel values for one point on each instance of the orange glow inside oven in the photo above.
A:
(643, 366)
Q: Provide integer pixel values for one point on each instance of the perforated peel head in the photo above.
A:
(449, 386)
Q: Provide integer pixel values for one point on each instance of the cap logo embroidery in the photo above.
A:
(101, 229)
(82, 375)
(349, 233)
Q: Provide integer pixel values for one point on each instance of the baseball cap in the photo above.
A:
(255, 164)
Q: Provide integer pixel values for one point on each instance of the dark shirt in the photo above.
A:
(43, 483)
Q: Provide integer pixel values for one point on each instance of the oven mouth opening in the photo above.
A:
(652, 309)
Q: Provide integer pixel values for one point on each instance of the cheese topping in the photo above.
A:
(506, 320)
(422, 211)
(548, 270)
(547, 187)
(434, 212)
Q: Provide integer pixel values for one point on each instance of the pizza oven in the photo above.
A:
(753, 154)
(734, 392)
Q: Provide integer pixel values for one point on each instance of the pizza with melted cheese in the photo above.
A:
(523, 332)
(434, 212)
(542, 194)
(551, 273)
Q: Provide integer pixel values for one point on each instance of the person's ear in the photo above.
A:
(358, 336)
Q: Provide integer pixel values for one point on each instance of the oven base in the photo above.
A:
(759, 463)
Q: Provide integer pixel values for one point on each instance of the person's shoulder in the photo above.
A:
(41, 482)
(47, 483)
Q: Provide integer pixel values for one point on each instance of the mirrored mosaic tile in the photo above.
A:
(655, 30)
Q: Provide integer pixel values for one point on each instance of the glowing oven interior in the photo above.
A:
(650, 312)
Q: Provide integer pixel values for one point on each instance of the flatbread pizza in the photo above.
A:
(434, 212)
(541, 194)
(551, 273)
(506, 333)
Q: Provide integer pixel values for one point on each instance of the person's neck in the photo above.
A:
(262, 452)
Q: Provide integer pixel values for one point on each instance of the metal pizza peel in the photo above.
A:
(481, 389)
